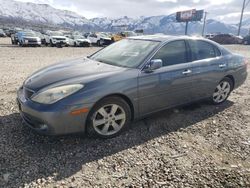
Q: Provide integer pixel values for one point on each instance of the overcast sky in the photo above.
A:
(225, 10)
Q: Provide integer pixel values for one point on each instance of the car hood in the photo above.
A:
(58, 37)
(83, 40)
(81, 70)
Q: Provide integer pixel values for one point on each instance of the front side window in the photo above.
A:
(202, 50)
(172, 53)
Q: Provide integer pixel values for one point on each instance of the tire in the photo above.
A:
(51, 44)
(101, 120)
(98, 43)
(20, 44)
(221, 95)
(75, 44)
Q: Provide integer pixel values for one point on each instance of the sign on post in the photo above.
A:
(189, 16)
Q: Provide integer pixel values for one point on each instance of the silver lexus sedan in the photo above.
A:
(128, 80)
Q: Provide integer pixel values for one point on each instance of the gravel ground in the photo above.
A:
(199, 145)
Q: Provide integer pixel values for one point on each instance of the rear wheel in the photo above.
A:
(222, 91)
(109, 118)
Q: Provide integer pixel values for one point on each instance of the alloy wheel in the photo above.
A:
(109, 119)
(222, 92)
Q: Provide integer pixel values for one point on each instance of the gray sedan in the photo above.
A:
(128, 80)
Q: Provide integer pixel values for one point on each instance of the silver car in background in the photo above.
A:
(28, 38)
(128, 80)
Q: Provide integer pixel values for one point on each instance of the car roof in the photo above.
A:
(163, 38)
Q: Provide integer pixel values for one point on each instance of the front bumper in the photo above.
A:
(32, 42)
(61, 42)
(49, 119)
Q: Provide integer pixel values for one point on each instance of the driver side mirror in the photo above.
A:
(153, 65)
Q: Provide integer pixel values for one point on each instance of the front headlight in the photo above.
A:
(53, 95)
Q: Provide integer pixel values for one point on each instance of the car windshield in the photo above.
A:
(79, 37)
(29, 34)
(126, 53)
(103, 35)
(56, 34)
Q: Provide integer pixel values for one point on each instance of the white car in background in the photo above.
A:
(55, 38)
(100, 39)
(81, 41)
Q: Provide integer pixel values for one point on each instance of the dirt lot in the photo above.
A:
(199, 145)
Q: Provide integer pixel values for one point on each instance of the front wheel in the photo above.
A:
(109, 118)
(222, 91)
(51, 43)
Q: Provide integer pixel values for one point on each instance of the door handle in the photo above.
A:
(222, 65)
(187, 72)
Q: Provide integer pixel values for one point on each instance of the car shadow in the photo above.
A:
(29, 156)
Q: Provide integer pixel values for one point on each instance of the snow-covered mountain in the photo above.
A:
(20, 12)
(41, 14)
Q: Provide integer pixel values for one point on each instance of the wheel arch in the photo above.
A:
(231, 78)
(124, 97)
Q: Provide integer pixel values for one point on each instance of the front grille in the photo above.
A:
(27, 93)
(32, 40)
(59, 39)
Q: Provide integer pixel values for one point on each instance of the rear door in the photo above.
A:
(171, 84)
(208, 67)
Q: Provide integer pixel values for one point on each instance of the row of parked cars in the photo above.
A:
(59, 38)
(53, 38)
(229, 39)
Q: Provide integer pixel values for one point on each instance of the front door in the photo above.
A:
(171, 84)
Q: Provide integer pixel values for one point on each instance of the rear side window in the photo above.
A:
(203, 50)
(172, 53)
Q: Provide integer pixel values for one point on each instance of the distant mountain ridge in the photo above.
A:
(16, 12)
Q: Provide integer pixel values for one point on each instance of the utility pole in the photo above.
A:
(242, 13)
(204, 24)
